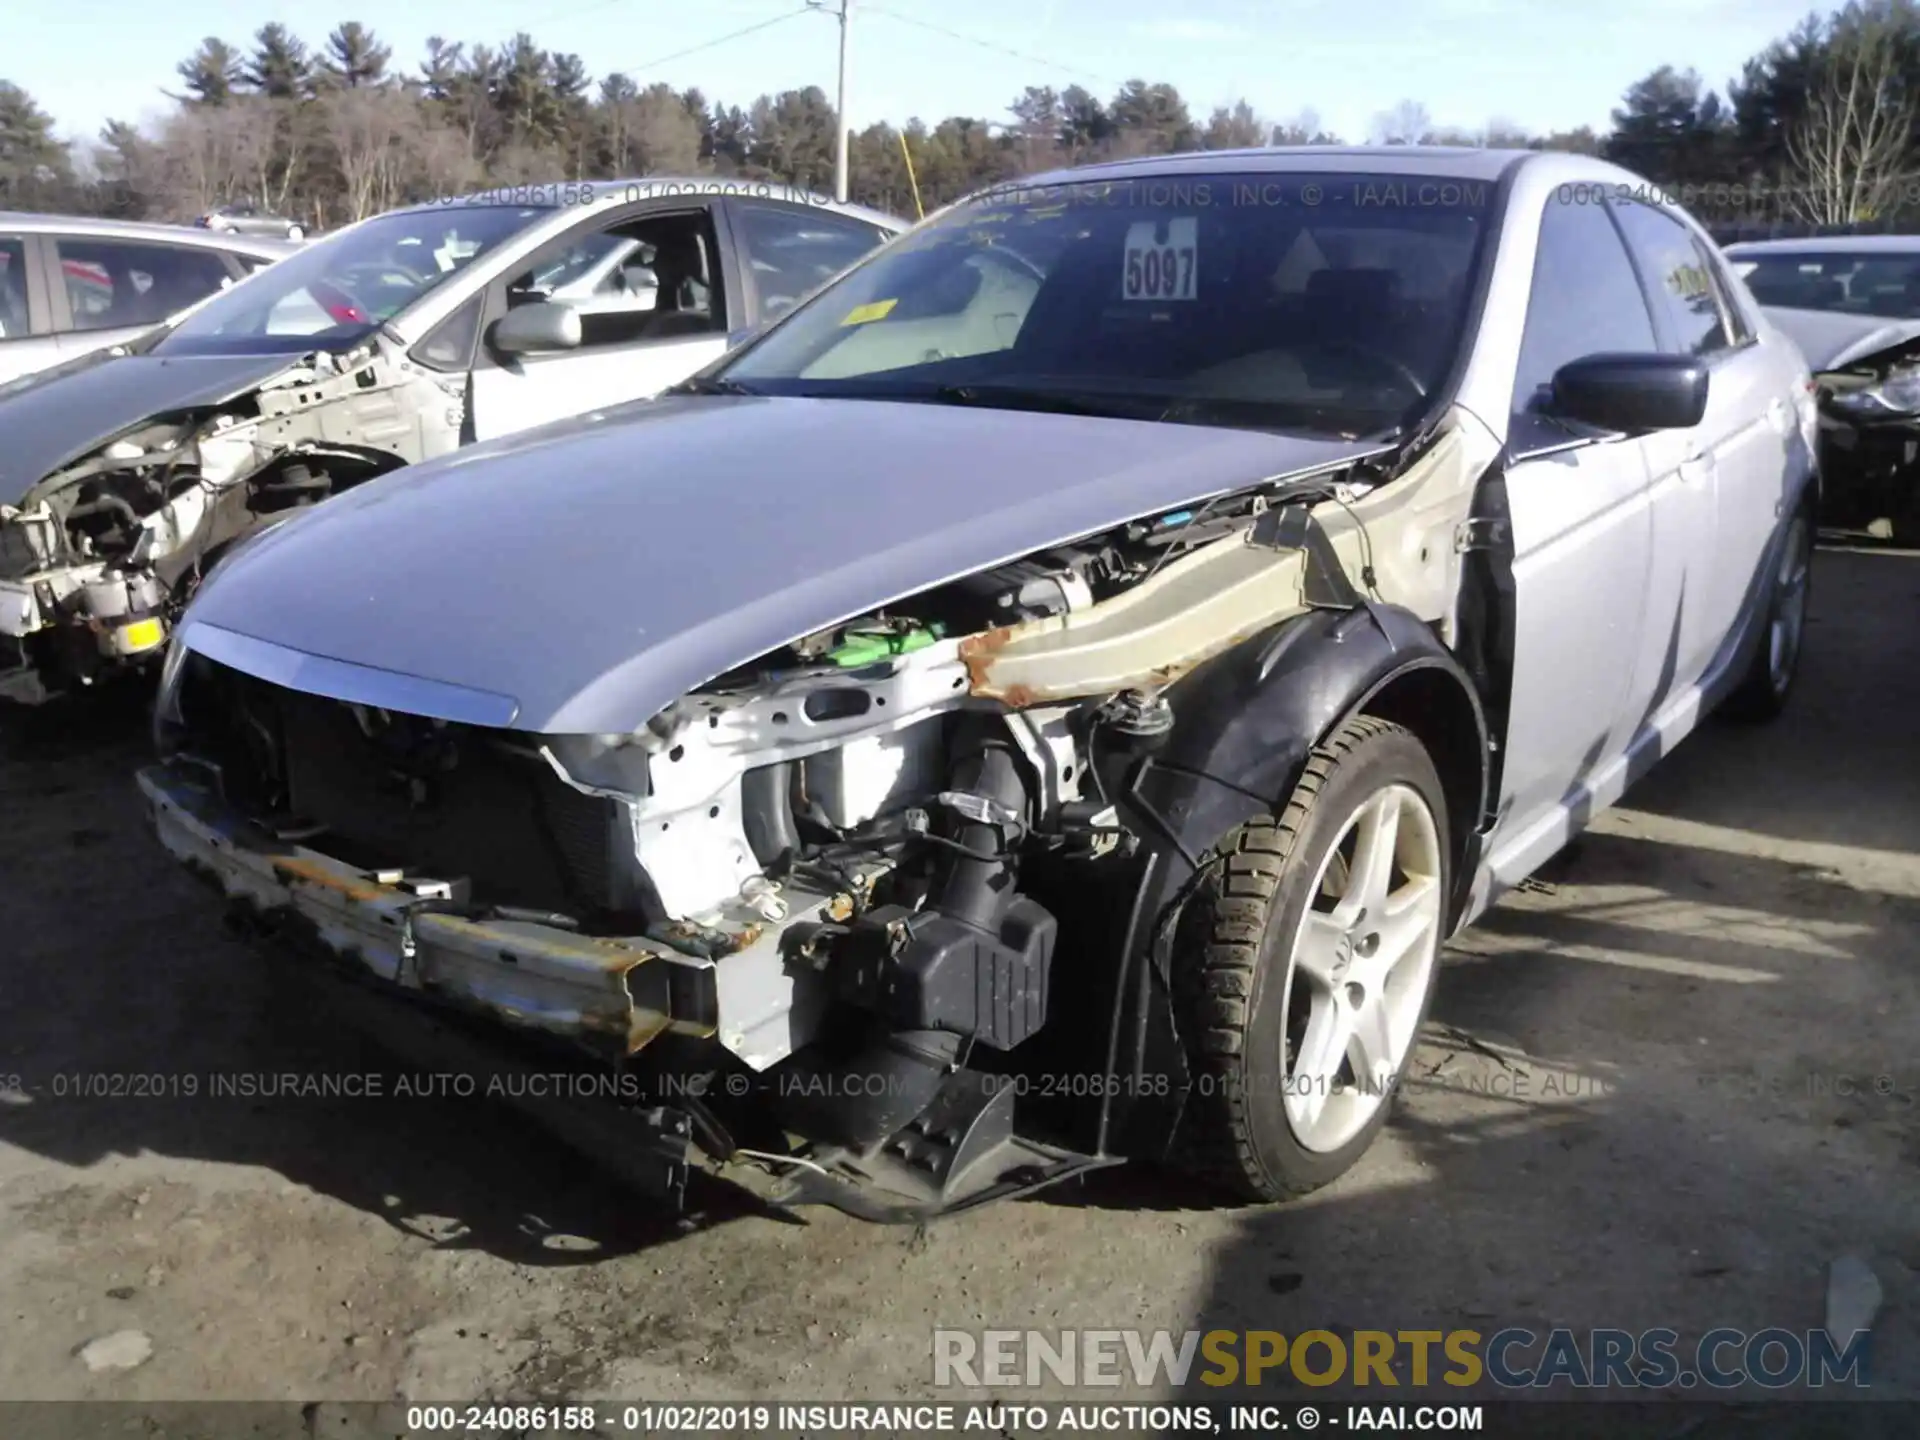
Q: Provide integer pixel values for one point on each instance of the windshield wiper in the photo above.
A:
(711, 385)
(1027, 397)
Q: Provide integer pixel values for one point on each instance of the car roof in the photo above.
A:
(1457, 162)
(564, 194)
(1827, 245)
(94, 227)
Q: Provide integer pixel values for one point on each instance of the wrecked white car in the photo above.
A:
(1048, 699)
(125, 473)
(1852, 305)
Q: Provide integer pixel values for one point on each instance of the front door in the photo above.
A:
(651, 296)
(1585, 589)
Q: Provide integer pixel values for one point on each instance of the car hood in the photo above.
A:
(1831, 342)
(581, 578)
(54, 417)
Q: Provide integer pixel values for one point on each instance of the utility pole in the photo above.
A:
(844, 14)
(840, 110)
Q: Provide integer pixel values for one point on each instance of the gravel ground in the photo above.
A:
(1667, 1087)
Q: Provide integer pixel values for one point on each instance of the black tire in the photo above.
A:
(1232, 969)
(1763, 691)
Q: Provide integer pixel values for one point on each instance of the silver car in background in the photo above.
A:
(70, 284)
(247, 219)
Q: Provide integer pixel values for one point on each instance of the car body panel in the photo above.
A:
(51, 420)
(897, 497)
(1833, 342)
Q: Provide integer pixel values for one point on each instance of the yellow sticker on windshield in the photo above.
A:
(871, 311)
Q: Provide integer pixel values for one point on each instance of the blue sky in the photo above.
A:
(1546, 64)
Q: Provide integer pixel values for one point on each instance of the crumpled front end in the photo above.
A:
(98, 558)
(831, 900)
(1870, 444)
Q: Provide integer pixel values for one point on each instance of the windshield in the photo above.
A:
(338, 291)
(1329, 303)
(1847, 284)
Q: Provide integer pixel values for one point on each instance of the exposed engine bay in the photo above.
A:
(100, 556)
(860, 875)
(1870, 445)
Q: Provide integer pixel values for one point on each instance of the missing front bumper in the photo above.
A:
(610, 995)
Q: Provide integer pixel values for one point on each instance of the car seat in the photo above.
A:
(685, 306)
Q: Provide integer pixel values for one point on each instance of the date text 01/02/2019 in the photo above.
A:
(860, 1419)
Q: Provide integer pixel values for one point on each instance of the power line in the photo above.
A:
(989, 45)
(720, 40)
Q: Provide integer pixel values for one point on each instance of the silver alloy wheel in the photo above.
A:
(1360, 963)
(1789, 604)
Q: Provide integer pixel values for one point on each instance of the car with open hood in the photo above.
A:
(1852, 305)
(1047, 699)
(125, 472)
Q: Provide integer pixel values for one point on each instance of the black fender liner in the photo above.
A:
(1245, 722)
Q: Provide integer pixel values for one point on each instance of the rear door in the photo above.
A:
(1582, 537)
(662, 326)
(26, 317)
(106, 291)
(1718, 484)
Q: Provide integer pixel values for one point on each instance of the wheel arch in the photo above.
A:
(1438, 704)
(1245, 724)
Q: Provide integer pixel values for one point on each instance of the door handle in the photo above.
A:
(1780, 416)
(1697, 467)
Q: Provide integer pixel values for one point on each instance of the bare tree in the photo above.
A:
(208, 154)
(1408, 123)
(438, 161)
(1845, 158)
(365, 125)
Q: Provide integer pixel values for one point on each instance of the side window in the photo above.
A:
(1677, 273)
(1731, 312)
(651, 279)
(115, 283)
(450, 345)
(13, 289)
(791, 250)
(1585, 300)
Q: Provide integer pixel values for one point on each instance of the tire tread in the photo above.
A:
(1217, 1144)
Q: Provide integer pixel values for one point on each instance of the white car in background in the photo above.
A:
(399, 338)
(70, 284)
(1852, 305)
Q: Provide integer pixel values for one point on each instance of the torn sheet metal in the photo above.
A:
(612, 995)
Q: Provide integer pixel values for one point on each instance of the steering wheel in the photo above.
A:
(1380, 360)
(376, 272)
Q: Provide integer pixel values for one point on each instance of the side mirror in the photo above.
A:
(536, 328)
(1632, 393)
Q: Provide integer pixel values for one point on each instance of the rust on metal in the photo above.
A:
(287, 868)
(977, 652)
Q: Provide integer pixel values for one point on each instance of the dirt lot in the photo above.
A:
(1632, 1111)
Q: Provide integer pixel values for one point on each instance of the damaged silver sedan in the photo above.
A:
(124, 474)
(1047, 700)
